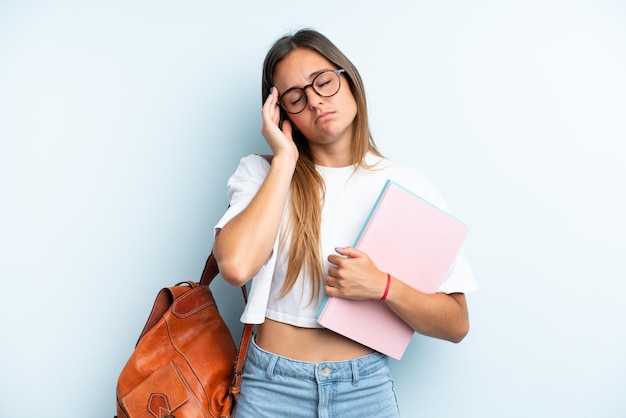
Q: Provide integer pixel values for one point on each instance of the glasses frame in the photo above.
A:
(312, 85)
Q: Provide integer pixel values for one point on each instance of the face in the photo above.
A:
(324, 120)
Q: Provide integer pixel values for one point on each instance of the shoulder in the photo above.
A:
(252, 166)
(398, 172)
(255, 161)
(408, 177)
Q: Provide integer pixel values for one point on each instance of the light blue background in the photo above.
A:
(121, 121)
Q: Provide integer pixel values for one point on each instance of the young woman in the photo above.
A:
(289, 227)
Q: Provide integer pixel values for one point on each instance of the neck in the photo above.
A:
(326, 160)
(337, 154)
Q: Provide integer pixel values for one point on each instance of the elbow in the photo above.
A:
(237, 265)
(237, 271)
(234, 273)
(234, 269)
(459, 333)
(459, 324)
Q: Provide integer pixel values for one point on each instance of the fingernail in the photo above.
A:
(338, 248)
(271, 89)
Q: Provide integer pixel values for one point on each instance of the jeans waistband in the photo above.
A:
(327, 371)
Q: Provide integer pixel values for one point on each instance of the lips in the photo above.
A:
(323, 116)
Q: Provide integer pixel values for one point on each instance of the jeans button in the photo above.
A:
(325, 372)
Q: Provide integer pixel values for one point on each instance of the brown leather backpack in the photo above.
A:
(185, 364)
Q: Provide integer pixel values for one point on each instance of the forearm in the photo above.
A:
(244, 244)
(436, 315)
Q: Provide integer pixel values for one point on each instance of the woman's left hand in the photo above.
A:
(438, 315)
(354, 276)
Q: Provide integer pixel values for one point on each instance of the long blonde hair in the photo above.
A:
(308, 188)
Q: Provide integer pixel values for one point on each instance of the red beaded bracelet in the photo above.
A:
(387, 287)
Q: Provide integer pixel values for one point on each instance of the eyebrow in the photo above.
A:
(318, 72)
(312, 76)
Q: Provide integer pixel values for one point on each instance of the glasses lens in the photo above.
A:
(293, 101)
(326, 84)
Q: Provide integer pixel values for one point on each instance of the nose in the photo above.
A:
(312, 98)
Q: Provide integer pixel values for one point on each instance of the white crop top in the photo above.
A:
(349, 198)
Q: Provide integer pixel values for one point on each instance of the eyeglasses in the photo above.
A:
(325, 84)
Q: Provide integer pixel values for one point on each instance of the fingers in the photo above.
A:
(331, 291)
(270, 108)
(271, 118)
(335, 259)
(353, 275)
(271, 115)
(339, 286)
(344, 254)
(280, 139)
(349, 252)
(332, 285)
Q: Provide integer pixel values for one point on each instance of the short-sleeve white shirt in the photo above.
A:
(348, 200)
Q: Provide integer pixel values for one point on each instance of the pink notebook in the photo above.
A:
(413, 241)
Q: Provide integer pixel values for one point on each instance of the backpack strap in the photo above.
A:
(209, 273)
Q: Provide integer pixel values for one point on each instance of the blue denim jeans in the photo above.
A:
(276, 387)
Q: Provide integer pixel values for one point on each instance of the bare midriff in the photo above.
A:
(307, 344)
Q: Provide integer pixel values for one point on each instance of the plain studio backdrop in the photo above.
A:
(120, 123)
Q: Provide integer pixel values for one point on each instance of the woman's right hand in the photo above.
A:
(239, 260)
(280, 141)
